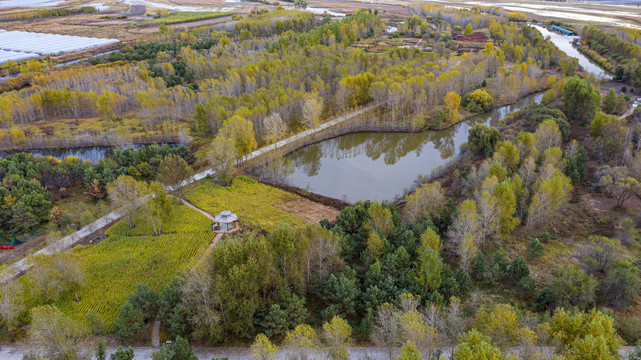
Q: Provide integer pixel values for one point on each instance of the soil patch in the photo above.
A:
(309, 211)
(602, 202)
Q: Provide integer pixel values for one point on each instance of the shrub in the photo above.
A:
(482, 139)
(535, 249)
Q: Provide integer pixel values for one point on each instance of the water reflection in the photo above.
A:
(380, 165)
(93, 153)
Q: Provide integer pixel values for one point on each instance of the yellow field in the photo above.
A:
(253, 202)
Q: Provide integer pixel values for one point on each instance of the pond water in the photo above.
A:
(93, 153)
(564, 43)
(379, 166)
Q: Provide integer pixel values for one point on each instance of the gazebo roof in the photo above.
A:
(226, 216)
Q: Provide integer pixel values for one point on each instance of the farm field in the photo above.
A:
(113, 267)
(253, 202)
(182, 16)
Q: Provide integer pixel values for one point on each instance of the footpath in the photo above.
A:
(21, 266)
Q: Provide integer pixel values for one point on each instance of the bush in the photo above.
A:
(629, 328)
(535, 249)
(482, 139)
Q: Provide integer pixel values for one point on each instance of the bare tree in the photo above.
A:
(387, 333)
(312, 110)
(10, 304)
(222, 154)
(198, 296)
(275, 127)
(55, 275)
(58, 336)
(123, 193)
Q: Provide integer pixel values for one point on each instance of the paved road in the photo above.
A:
(74, 238)
(16, 353)
(203, 353)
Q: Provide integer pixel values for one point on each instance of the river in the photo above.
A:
(564, 43)
(382, 166)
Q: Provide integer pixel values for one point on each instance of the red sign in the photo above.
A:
(6, 247)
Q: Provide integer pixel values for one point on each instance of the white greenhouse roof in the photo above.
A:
(39, 44)
(15, 55)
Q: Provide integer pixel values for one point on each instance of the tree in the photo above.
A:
(549, 135)
(535, 249)
(409, 352)
(620, 288)
(427, 201)
(375, 245)
(242, 132)
(618, 183)
(430, 241)
(202, 120)
(380, 218)
(300, 342)
(466, 226)
(145, 299)
(124, 194)
(101, 350)
(56, 215)
(173, 170)
(263, 349)
(312, 107)
(468, 29)
(129, 322)
(590, 335)
(275, 127)
(11, 304)
(417, 331)
(452, 101)
(428, 270)
(178, 350)
(222, 154)
(500, 323)
(573, 287)
(156, 204)
(580, 100)
(610, 105)
(55, 275)
(122, 354)
(336, 335)
(476, 346)
(479, 100)
(482, 139)
(58, 336)
(386, 333)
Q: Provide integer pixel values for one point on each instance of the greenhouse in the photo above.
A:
(24, 44)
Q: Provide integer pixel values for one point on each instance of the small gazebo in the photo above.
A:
(226, 221)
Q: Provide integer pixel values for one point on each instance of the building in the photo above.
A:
(226, 221)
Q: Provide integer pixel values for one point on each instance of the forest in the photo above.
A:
(526, 247)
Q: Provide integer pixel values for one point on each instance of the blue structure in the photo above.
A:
(562, 30)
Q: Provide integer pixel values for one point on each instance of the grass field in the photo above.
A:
(183, 16)
(113, 267)
(253, 202)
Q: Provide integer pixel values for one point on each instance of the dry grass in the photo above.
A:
(308, 210)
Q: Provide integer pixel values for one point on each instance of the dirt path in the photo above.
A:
(208, 215)
(19, 267)
(155, 333)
